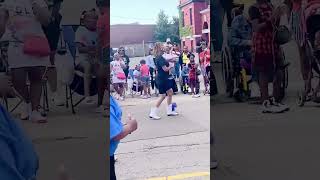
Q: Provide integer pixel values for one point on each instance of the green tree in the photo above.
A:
(174, 30)
(162, 29)
(167, 29)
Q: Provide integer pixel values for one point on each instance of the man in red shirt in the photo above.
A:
(103, 29)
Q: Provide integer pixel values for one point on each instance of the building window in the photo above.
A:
(190, 14)
(182, 18)
(191, 45)
(205, 25)
(183, 43)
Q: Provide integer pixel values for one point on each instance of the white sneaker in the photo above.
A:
(171, 112)
(88, 101)
(154, 114)
(281, 106)
(196, 96)
(268, 107)
(26, 111)
(36, 117)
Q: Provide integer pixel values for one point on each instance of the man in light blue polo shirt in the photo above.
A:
(118, 131)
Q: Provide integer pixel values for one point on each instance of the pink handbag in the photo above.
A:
(121, 76)
(36, 46)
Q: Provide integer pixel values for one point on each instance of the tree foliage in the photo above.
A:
(167, 29)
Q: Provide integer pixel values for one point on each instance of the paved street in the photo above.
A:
(77, 141)
(174, 146)
(167, 147)
(252, 145)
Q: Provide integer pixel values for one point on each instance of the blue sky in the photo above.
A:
(141, 11)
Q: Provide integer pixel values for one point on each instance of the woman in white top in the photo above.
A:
(20, 22)
(118, 75)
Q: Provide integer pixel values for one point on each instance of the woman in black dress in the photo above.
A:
(165, 89)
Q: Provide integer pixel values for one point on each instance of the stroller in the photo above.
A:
(310, 23)
(134, 84)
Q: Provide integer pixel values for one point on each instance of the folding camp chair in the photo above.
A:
(77, 84)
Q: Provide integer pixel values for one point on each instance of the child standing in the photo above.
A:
(184, 76)
(145, 78)
(193, 77)
(137, 80)
(86, 39)
(118, 76)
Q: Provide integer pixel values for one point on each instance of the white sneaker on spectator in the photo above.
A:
(36, 117)
(269, 107)
(196, 95)
(281, 106)
(26, 111)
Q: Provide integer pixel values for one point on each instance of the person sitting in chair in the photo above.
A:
(240, 33)
(86, 39)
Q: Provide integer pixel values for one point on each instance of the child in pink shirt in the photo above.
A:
(145, 78)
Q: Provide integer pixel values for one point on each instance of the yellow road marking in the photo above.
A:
(182, 176)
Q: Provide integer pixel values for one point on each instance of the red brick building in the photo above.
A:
(195, 22)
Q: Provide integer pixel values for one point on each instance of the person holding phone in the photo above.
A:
(21, 24)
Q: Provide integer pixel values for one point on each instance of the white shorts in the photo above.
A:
(17, 59)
